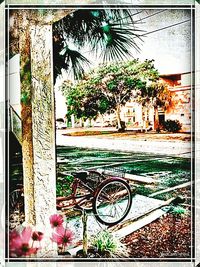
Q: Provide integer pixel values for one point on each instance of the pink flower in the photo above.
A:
(37, 236)
(19, 243)
(63, 236)
(56, 220)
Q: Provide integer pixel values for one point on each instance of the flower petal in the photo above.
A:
(60, 230)
(56, 238)
(56, 220)
(26, 234)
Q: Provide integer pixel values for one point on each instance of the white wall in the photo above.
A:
(14, 82)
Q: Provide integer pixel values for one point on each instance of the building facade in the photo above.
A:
(180, 86)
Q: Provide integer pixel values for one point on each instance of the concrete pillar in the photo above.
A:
(34, 36)
(43, 124)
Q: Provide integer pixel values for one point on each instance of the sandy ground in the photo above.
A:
(177, 144)
(110, 132)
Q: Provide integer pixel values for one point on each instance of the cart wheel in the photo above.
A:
(112, 201)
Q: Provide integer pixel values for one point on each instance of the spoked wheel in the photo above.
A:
(112, 201)
(16, 200)
(16, 208)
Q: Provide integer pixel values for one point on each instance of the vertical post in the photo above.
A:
(26, 117)
(11, 119)
(85, 238)
(37, 115)
(145, 119)
(43, 124)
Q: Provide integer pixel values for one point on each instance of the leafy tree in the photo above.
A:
(109, 87)
(109, 34)
(81, 99)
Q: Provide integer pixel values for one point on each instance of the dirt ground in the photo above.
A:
(129, 134)
(167, 237)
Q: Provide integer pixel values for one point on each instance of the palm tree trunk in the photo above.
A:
(156, 120)
(145, 119)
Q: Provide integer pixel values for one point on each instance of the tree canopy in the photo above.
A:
(110, 86)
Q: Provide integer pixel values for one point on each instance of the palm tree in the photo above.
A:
(156, 95)
(109, 34)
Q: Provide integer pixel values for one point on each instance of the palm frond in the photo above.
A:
(81, 24)
(76, 62)
(116, 43)
(78, 25)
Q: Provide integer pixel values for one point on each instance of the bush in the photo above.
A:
(178, 211)
(144, 191)
(64, 186)
(106, 244)
(172, 126)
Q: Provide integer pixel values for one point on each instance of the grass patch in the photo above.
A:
(143, 190)
(156, 166)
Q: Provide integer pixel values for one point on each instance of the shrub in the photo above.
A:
(144, 191)
(178, 211)
(64, 186)
(172, 126)
(106, 243)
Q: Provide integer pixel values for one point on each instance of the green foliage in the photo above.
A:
(63, 186)
(178, 211)
(172, 126)
(106, 243)
(173, 180)
(25, 97)
(143, 190)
